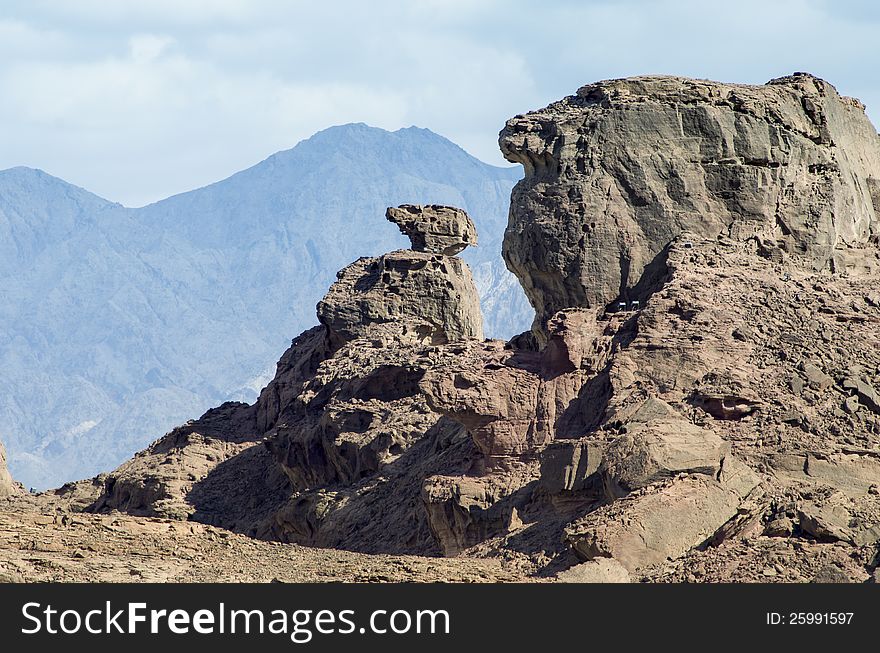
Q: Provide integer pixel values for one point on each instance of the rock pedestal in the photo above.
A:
(427, 293)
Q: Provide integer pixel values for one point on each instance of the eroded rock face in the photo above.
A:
(434, 228)
(426, 292)
(513, 401)
(616, 171)
(433, 296)
(8, 487)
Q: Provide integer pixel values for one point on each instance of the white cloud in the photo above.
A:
(138, 100)
(145, 48)
(128, 12)
(18, 39)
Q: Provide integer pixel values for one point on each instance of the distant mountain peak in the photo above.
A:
(37, 180)
(20, 173)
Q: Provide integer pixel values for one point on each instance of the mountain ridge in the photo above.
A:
(240, 262)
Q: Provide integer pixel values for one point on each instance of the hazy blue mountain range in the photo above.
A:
(117, 324)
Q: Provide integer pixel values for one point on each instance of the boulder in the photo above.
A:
(434, 229)
(826, 523)
(649, 526)
(600, 570)
(815, 376)
(867, 395)
(660, 449)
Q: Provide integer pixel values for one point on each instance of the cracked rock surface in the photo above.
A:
(620, 168)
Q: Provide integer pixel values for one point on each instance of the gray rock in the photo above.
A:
(779, 527)
(614, 173)
(434, 228)
(816, 377)
(661, 449)
(568, 466)
(851, 405)
(735, 475)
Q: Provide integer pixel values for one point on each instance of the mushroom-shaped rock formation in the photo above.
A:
(434, 228)
(616, 171)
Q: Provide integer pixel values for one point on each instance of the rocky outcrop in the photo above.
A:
(731, 397)
(344, 412)
(434, 228)
(432, 295)
(213, 470)
(618, 170)
(513, 401)
(8, 487)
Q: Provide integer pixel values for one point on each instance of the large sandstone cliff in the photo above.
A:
(697, 399)
(616, 171)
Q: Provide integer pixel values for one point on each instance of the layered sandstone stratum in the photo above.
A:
(697, 398)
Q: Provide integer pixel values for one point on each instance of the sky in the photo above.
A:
(137, 100)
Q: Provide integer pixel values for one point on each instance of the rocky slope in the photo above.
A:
(697, 398)
(47, 543)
